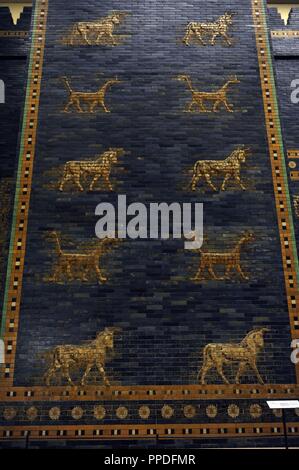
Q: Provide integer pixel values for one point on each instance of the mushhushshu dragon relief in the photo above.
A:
(90, 100)
(228, 169)
(217, 98)
(98, 32)
(230, 260)
(196, 31)
(84, 264)
(63, 358)
(99, 168)
(216, 355)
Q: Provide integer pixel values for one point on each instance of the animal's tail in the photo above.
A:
(67, 84)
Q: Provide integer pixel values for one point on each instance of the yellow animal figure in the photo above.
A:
(229, 168)
(90, 99)
(215, 29)
(98, 168)
(92, 354)
(231, 260)
(79, 265)
(216, 355)
(95, 32)
(217, 98)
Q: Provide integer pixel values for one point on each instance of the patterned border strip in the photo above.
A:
(285, 34)
(17, 251)
(13, 288)
(150, 393)
(14, 34)
(293, 155)
(132, 431)
(282, 198)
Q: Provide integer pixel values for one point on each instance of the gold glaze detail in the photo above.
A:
(229, 168)
(90, 99)
(217, 98)
(81, 265)
(99, 168)
(216, 355)
(86, 356)
(214, 29)
(231, 260)
(97, 32)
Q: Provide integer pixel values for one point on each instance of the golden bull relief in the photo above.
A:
(219, 28)
(83, 264)
(216, 355)
(228, 169)
(92, 354)
(230, 260)
(97, 32)
(216, 98)
(91, 100)
(97, 169)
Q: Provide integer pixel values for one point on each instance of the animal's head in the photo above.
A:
(117, 17)
(114, 81)
(228, 18)
(107, 336)
(51, 235)
(182, 78)
(243, 153)
(115, 153)
(233, 79)
(258, 336)
(248, 237)
(108, 242)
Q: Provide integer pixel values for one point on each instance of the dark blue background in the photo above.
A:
(166, 319)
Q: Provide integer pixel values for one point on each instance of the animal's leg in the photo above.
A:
(212, 273)
(227, 271)
(238, 180)
(101, 370)
(67, 106)
(241, 370)
(56, 271)
(86, 373)
(219, 368)
(229, 108)
(92, 106)
(93, 182)
(77, 182)
(203, 372)
(239, 270)
(69, 271)
(78, 106)
(66, 374)
(227, 39)
(209, 181)
(198, 275)
(254, 367)
(226, 178)
(86, 38)
(195, 179)
(186, 39)
(63, 181)
(190, 106)
(199, 37)
(101, 277)
(49, 374)
(108, 182)
(213, 39)
(202, 107)
(216, 106)
(102, 103)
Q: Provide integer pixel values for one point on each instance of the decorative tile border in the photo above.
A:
(11, 394)
(285, 34)
(14, 34)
